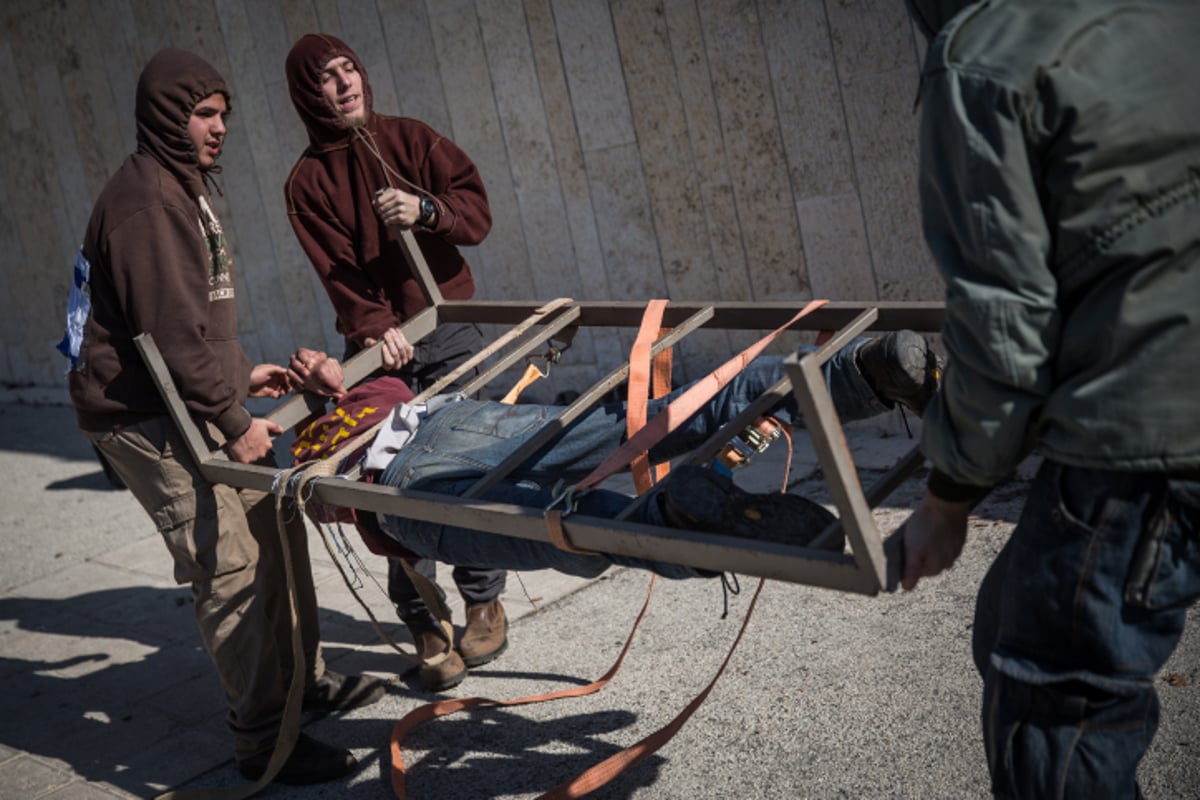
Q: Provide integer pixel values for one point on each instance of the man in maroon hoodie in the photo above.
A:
(362, 173)
(159, 264)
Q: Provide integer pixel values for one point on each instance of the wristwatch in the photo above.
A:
(428, 211)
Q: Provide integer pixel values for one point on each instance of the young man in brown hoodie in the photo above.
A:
(362, 173)
(159, 264)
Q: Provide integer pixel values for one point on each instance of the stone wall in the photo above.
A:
(694, 149)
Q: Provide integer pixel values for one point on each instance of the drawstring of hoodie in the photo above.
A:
(388, 171)
(210, 182)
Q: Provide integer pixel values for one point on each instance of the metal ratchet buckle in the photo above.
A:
(569, 497)
(753, 439)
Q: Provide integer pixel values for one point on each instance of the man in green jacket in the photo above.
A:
(1060, 191)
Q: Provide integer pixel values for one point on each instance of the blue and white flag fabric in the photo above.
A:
(79, 305)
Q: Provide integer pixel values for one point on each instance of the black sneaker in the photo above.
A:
(702, 499)
(310, 762)
(901, 368)
(333, 692)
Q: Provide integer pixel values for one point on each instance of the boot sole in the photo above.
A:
(485, 658)
(704, 500)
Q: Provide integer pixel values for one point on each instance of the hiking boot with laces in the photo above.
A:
(702, 499)
(901, 368)
(441, 666)
(486, 634)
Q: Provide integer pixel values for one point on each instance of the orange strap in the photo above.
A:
(600, 774)
(532, 373)
(558, 536)
(597, 775)
(683, 407)
(646, 376)
(443, 707)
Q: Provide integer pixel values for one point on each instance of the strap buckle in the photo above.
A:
(568, 497)
(750, 441)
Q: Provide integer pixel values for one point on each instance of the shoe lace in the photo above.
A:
(729, 586)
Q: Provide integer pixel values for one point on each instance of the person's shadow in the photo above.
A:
(114, 684)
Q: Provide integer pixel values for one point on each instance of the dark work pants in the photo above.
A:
(1077, 615)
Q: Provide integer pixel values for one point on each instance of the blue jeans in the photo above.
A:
(455, 446)
(444, 349)
(1079, 612)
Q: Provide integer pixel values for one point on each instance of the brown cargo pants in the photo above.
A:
(226, 544)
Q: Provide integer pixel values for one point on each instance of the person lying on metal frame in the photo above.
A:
(446, 444)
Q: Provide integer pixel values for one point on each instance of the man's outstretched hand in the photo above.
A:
(269, 380)
(933, 538)
(396, 350)
(313, 371)
(255, 443)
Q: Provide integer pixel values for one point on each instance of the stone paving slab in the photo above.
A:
(108, 694)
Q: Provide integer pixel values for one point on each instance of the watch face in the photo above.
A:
(427, 209)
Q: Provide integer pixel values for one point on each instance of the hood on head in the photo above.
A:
(932, 15)
(170, 86)
(305, 62)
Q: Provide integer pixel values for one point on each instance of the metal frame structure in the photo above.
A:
(530, 328)
(866, 570)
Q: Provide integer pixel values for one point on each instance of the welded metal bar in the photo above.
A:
(530, 340)
(196, 444)
(829, 442)
(364, 362)
(919, 316)
(861, 573)
(555, 426)
(512, 334)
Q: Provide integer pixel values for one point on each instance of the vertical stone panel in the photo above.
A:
(879, 77)
(285, 307)
(835, 244)
(674, 187)
(765, 210)
(36, 201)
(90, 104)
(116, 35)
(588, 261)
(502, 261)
(414, 62)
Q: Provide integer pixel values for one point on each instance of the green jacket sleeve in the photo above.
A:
(988, 232)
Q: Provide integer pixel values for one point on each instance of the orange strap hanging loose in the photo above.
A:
(646, 376)
(439, 709)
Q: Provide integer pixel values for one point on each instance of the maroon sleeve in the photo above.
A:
(363, 309)
(464, 217)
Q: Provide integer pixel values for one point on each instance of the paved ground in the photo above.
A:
(107, 694)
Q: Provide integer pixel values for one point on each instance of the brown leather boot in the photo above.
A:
(441, 667)
(486, 635)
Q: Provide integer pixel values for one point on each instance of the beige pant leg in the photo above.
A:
(206, 530)
(260, 510)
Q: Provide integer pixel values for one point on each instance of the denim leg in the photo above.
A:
(471, 437)
(442, 351)
(1080, 630)
(463, 441)
(470, 547)
(853, 399)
